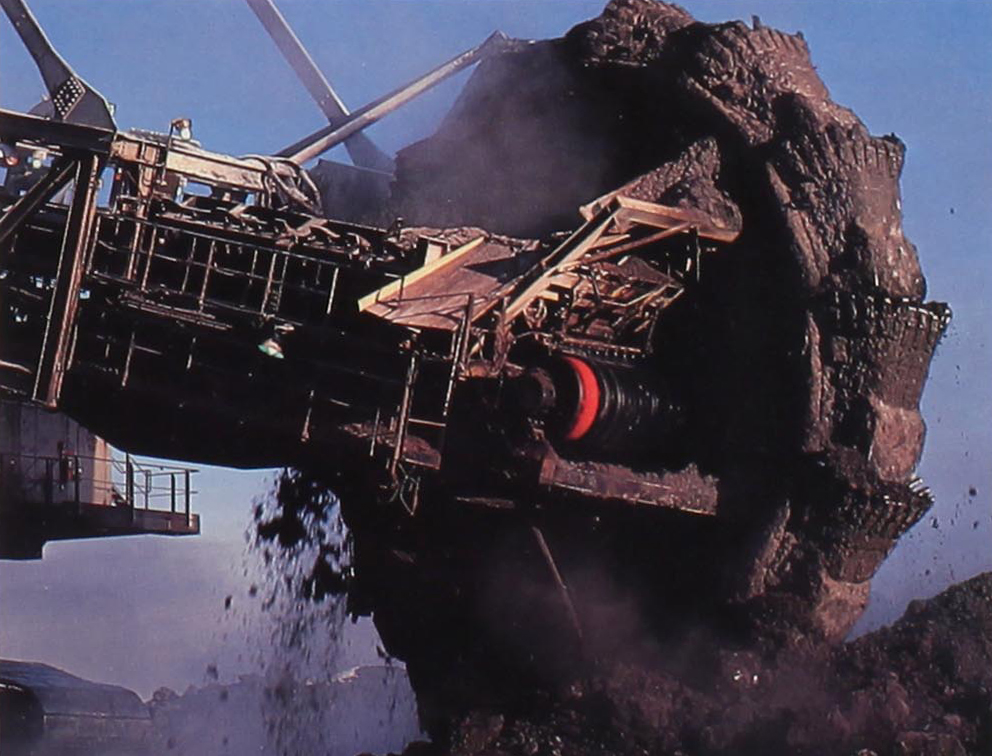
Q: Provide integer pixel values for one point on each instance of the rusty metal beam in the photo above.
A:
(320, 141)
(576, 245)
(403, 418)
(630, 210)
(394, 289)
(57, 177)
(362, 150)
(625, 247)
(685, 490)
(16, 127)
(563, 592)
(76, 240)
(214, 169)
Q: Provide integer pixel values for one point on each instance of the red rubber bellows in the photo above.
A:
(589, 397)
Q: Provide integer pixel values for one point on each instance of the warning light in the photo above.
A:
(183, 128)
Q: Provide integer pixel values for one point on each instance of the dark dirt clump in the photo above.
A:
(922, 686)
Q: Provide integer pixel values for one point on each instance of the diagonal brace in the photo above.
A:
(77, 239)
(361, 148)
(57, 177)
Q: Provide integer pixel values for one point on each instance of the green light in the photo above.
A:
(271, 348)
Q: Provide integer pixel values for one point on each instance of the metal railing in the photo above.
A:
(210, 268)
(146, 484)
(82, 479)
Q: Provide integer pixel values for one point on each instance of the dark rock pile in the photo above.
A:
(922, 687)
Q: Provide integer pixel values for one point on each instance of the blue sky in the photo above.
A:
(153, 609)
